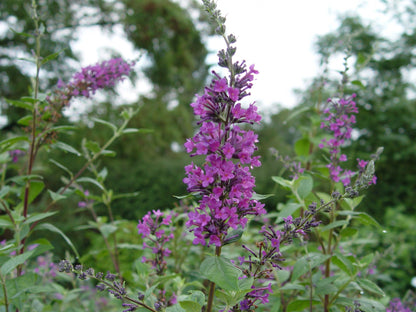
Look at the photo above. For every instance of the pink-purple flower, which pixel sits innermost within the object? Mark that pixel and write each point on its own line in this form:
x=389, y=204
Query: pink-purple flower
x=223, y=181
x=339, y=121
x=86, y=82
x=154, y=226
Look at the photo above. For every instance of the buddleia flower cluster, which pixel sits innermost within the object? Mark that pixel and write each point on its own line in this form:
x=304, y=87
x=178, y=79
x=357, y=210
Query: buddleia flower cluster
x=339, y=121
x=86, y=83
x=153, y=227
x=260, y=264
x=223, y=181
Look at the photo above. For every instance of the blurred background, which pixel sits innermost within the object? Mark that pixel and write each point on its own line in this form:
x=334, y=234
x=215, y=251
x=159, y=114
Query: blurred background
x=299, y=50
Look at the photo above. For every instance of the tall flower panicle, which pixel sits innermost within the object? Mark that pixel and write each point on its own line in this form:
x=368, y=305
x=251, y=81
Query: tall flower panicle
x=224, y=180
x=151, y=228
x=86, y=82
x=340, y=117
x=339, y=121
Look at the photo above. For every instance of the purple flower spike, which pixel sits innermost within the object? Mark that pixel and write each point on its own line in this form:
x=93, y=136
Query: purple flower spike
x=87, y=82
x=224, y=180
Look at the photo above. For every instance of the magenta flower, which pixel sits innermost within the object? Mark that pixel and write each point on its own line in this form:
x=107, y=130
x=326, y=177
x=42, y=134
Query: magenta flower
x=15, y=154
x=86, y=82
x=224, y=180
x=339, y=120
x=150, y=227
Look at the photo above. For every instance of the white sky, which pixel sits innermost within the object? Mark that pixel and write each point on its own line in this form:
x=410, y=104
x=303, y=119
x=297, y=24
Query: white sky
x=275, y=35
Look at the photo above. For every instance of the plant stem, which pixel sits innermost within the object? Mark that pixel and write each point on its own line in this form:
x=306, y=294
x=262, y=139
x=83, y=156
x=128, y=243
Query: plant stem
x=328, y=262
x=212, y=285
x=6, y=300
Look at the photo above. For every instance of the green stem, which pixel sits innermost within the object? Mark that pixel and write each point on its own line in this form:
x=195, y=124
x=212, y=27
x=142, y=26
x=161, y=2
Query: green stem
x=6, y=300
x=32, y=148
x=115, y=258
x=212, y=285
x=35, y=110
x=341, y=289
x=328, y=262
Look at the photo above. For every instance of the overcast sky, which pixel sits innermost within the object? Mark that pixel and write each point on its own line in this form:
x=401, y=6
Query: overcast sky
x=277, y=36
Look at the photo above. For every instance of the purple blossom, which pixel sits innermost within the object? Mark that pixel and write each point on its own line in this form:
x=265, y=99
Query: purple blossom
x=339, y=120
x=87, y=82
x=15, y=154
x=224, y=180
x=396, y=305
x=150, y=228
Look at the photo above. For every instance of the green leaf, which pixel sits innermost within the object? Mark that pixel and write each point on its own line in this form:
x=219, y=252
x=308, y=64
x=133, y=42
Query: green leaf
x=63, y=128
x=21, y=104
x=108, y=153
x=297, y=112
x=283, y=182
x=292, y=286
x=261, y=196
x=90, y=180
x=36, y=187
x=370, y=286
x=93, y=146
x=343, y=263
x=5, y=222
x=9, y=142
x=282, y=275
x=67, y=148
x=130, y=130
x=233, y=236
x=333, y=225
x=366, y=260
x=192, y=302
x=52, y=228
x=146, y=130
x=353, y=202
x=5, y=190
x=358, y=83
x=30, y=99
x=50, y=57
x=368, y=305
x=303, y=186
x=245, y=284
x=105, y=123
x=366, y=219
x=14, y=262
x=61, y=166
x=348, y=232
x=174, y=308
x=300, y=305
x=190, y=195
x=129, y=246
x=220, y=271
x=306, y=263
x=39, y=216
x=56, y=196
x=23, y=34
x=190, y=306
x=126, y=195
x=287, y=209
x=302, y=147
x=324, y=196
x=25, y=121
x=107, y=229
x=326, y=286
